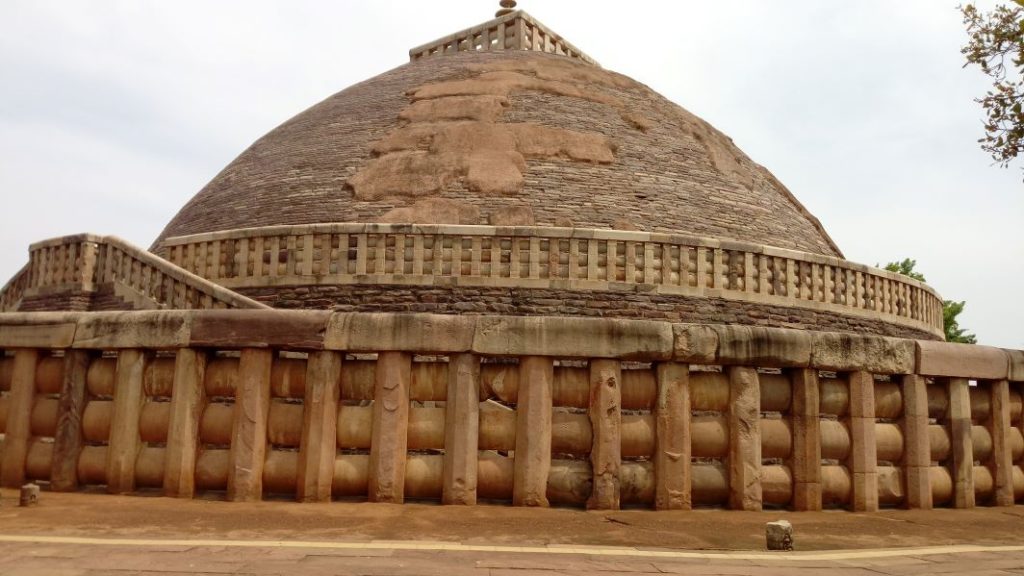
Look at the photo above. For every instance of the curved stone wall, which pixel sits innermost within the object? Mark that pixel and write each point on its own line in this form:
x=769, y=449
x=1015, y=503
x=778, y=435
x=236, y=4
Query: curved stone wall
x=558, y=271
x=389, y=407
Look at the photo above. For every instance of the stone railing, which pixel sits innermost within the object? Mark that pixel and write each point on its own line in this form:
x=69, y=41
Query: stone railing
x=554, y=258
x=82, y=263
x=12, y=292
x=535, y=411
x=515, y=31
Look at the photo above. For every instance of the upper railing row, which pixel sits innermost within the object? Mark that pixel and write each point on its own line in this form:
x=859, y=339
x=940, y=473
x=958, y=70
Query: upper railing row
x=554, y=258
x=83, y=262
x=515, y=31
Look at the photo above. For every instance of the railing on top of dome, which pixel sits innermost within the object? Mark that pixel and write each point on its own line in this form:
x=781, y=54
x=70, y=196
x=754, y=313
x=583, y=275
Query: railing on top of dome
x=514, y=31
x=553, y=258
x=82, y=263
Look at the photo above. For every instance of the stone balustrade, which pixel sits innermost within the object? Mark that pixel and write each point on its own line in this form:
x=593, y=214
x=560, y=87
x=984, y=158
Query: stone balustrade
x=534, y=411
x=77, y=266
x=554, y=258
x=12, y=292
x=515, y=31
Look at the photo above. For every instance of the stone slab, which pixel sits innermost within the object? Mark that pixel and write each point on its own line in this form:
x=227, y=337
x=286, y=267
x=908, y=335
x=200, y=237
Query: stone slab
x=875, y=354
x=37, y=329
x=1016, y=370
x=378, y=332
x=694, y=343
x=149, y=329
x=573, y=338
x=760, y=346
x=287, y=329
x=961, y=360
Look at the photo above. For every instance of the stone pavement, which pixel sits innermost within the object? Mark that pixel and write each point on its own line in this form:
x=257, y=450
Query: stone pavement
x=78, y=556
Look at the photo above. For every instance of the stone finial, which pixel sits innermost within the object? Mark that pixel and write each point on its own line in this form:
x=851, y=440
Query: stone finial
x=507, y=7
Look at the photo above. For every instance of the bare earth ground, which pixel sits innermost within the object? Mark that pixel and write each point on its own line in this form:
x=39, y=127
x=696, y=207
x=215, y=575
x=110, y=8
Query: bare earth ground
x=101, y=516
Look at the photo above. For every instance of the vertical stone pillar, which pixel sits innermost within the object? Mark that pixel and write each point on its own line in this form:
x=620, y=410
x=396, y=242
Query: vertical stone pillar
x=605, y=413
x=67, y=440
x=461, y=430
x=390, y=438
x=1002, y=452
x=863, y=460
x=533, y=432
x=249, y=427
x=744, y=439
x=672, y=447
x=19, y=418
x=319, y=444
x=962, y=447
x=806, y=462
x=125, y=440
x=916, y=447
x=188, y=400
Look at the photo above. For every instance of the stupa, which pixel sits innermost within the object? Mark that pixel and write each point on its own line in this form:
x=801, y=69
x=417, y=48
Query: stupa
x=498, y=271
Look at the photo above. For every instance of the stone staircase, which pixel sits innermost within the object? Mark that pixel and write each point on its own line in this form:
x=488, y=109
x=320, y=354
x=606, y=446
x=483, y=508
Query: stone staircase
x=87, y=272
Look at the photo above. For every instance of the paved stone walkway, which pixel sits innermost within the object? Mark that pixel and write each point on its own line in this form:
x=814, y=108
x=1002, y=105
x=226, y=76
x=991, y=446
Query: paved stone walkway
x=72, y=556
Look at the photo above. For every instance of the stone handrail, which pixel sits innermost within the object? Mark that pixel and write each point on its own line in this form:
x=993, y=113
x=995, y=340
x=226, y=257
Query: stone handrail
x=515, y=31
x=12, y=292
x=84, y=262
x=560, y=258
x=323, y=405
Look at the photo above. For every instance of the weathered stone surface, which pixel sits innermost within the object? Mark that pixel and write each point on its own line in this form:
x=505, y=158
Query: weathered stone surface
x=605, y=414
x=512, y=216
x=390, y=428
x=461, y=438
x=125, y=441
x=533, y=432
x=916, y=460
x=807, y=440
x=147, y=329
x=672, y=448
x=779, y=535
x=288, y=329
x=67, y=440
x=18, y=428
x=434, y=211
x=962, y=448
x=1016, y=371
x=694, y=343
x=757, y=346
x=573, y=338
x=37, y=329
x=460, y=298
x=409, y=332
x=188, y=401
x=29, y=495
x=1002, y=456
x=318, y=445
x=846, y=352
x=961, y=360
x=249, y=426
x=744, y=439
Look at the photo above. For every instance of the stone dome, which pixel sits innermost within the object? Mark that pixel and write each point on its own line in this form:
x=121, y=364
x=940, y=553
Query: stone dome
x=504, y=138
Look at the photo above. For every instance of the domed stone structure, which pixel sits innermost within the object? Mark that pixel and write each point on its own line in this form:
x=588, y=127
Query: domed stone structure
x=503, y=171
x=504, y=137
x=581, y=294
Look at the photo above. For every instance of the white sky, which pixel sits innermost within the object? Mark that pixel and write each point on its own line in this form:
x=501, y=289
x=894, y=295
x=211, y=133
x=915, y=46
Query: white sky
x=114, y=113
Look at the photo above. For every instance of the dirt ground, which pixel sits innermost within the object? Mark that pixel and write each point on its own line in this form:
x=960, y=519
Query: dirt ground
x=153, y=516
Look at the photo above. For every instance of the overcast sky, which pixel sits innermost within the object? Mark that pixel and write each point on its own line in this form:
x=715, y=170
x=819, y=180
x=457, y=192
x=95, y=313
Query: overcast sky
x=114, y=113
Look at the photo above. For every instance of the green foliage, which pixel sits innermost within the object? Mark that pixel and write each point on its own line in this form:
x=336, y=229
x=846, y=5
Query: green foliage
x=906, y=267
x=996, y=45
x=950, y=309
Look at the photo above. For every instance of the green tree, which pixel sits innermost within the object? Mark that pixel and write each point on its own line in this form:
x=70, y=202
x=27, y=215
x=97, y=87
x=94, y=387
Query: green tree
x=950, y=309
x=996, y=45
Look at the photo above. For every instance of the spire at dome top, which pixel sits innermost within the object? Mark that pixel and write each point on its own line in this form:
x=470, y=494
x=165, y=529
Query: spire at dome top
x=507, y=7
x=511, y=29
